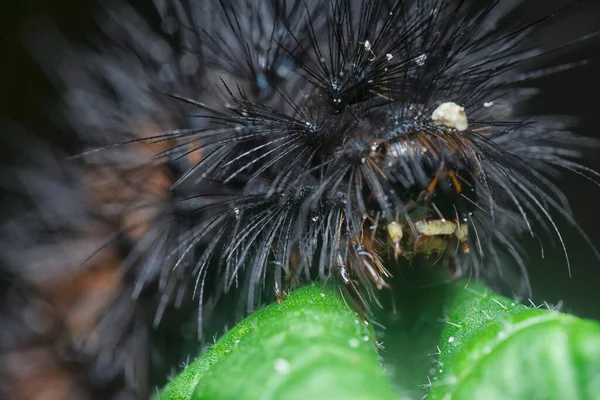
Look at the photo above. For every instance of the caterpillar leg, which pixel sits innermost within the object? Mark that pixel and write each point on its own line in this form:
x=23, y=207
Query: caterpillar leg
x=443, y=173
x=356, y=298
x=280, y=292
x=395, y=234
x=370, y=264
x=431, y=234
x=285, y=277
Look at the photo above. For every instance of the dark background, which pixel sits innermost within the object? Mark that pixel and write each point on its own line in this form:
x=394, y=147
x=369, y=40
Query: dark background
x=27, y=97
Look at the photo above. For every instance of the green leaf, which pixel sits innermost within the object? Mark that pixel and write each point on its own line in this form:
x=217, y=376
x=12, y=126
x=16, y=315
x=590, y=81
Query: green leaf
x=313, y=346
x=309, y=346
x=494, y=348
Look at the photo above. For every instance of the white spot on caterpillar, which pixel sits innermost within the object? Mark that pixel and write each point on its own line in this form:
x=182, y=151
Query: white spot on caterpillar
x=354, y=343
x=451, y=115
x=451, y=339
x=282, y=366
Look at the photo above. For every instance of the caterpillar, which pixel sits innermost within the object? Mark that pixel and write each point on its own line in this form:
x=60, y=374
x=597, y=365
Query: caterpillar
x=239, y=148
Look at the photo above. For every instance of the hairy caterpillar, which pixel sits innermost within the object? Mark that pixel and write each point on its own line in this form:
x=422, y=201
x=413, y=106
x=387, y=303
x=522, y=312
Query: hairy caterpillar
x=251, y=146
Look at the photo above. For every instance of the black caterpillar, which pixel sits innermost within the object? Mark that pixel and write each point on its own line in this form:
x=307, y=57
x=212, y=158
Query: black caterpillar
x=252, y=146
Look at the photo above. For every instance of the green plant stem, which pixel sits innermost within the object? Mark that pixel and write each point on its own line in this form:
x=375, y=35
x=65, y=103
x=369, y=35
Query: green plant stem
x=494, y=348
x=310, y=346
